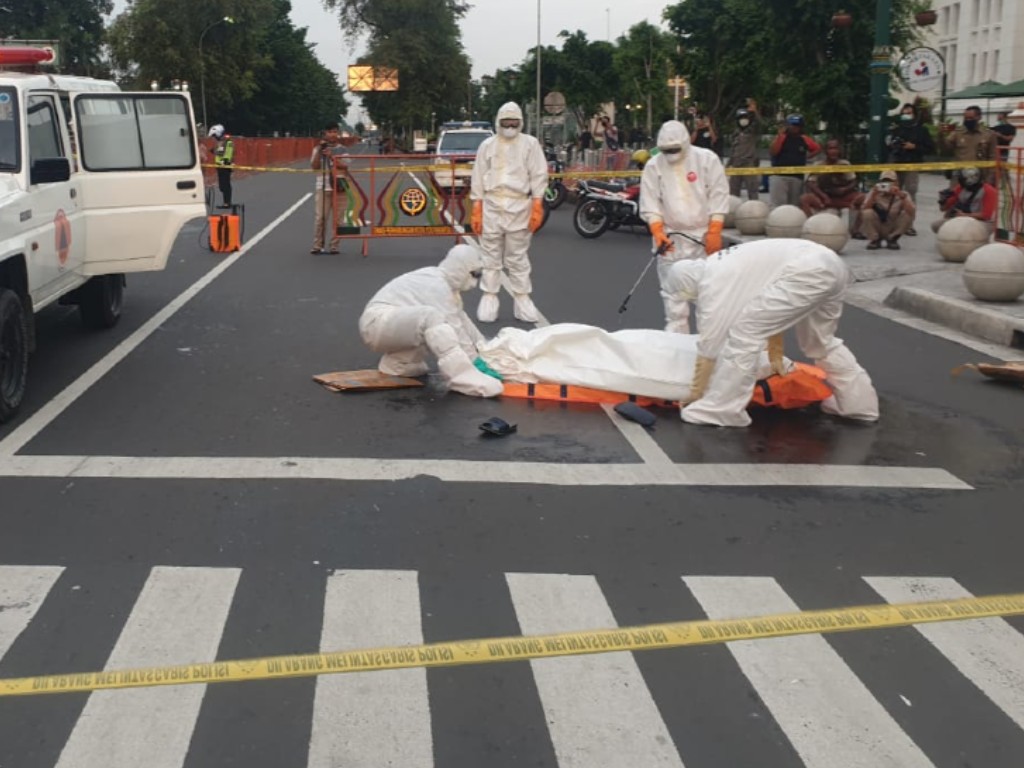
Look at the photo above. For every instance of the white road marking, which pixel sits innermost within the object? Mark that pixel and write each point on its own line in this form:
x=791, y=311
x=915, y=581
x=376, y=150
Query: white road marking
x=178, y=619
x=22, y=590
x=42, y=418
x=829, y=715
x=639, y=438
x=989, y=652
x=364, y=721
x=462, y=471
x=599, y=710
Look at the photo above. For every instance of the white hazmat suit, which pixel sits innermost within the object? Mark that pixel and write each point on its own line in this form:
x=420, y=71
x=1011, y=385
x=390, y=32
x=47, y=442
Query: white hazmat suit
x=683, y=191
x=507, y=189
x=751, y=292
x=422, y=311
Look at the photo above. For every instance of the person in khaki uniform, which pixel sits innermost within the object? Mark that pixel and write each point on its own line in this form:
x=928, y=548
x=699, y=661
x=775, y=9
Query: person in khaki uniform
x=969, y=142
x=887, y=213
x=329, y=160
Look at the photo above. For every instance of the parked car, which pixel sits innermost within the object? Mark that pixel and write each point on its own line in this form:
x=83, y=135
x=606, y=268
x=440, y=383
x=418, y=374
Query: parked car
x=454, y=156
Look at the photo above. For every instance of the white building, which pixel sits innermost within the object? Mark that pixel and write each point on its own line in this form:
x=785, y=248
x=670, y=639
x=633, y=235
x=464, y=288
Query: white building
x=980, y=40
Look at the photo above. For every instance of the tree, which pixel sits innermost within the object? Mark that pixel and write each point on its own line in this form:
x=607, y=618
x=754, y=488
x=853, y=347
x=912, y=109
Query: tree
x=76, y=24
x=643, y=61
x=587, y=77
x=420, y=38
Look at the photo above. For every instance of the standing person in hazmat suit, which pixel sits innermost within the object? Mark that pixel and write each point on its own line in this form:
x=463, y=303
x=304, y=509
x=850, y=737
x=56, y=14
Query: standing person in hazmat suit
x=683, y=189
x=747, y=295
x=421, y=312
x=507, y=189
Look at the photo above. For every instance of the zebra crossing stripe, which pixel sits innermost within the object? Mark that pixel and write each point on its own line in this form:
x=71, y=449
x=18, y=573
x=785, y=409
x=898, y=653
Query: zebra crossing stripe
x=502, y=649
x=22, y=591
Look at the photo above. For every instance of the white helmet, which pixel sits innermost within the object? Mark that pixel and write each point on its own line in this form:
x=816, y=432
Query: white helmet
x=509, y=111
x=217, y=131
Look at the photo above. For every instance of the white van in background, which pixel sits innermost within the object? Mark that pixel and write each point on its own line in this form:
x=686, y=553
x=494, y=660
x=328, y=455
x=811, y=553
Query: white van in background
x=94, y=183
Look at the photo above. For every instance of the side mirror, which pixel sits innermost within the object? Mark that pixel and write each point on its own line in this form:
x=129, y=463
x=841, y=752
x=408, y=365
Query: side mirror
x=48, y=170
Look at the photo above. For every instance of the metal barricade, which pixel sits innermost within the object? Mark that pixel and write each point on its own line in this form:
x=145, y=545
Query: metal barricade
x=1010, y=207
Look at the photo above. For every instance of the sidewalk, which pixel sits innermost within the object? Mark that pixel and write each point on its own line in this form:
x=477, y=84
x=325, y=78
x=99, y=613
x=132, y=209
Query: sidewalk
x=916, y=284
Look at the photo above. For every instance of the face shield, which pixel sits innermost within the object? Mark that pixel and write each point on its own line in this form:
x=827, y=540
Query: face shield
x=509, y=120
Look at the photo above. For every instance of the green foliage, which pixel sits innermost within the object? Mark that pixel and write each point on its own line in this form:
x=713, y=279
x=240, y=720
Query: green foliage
x=258, y=73
x=643, y=61
x=77, y=24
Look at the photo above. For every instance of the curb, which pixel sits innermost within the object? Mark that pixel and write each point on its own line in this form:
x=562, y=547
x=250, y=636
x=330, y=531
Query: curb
x=962, y=315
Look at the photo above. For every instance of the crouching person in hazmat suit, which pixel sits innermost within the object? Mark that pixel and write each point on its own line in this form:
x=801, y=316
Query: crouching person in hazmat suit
x=683, y=189
x=507, y=189
x=747, y=295
x=421, y=312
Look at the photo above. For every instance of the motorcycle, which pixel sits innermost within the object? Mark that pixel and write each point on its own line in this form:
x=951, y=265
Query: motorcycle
x=604, y=206
x=556, y=191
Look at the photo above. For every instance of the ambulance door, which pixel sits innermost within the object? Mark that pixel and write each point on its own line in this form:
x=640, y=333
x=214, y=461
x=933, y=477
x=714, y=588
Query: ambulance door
x=55, y=231
x=139, y=177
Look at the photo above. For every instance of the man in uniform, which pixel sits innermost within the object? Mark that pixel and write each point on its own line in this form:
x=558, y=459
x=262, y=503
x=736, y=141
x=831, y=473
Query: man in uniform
x=969, y=142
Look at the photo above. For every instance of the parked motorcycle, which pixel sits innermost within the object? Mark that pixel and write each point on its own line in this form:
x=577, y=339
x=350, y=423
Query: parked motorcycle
x=604, y=206
x=556, y=191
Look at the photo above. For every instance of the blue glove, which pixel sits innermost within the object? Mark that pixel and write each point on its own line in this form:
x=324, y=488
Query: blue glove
x=483, y=367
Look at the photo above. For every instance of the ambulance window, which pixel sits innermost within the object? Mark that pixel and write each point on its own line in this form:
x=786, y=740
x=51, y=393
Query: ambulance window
x=43, y=129
x=9, y=154
x=134, y=132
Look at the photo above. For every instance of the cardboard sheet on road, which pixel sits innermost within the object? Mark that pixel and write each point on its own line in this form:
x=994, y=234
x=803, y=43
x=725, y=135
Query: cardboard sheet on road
x=369, y=380
x=1012, y=371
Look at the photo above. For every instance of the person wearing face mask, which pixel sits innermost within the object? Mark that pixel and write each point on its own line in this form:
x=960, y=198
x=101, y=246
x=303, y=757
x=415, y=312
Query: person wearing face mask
x=747, y=295
x=421, y=312
x=507, y=192
x=969, y=142
x=1005, y=133
x=790, y=148
x=972, y=196
x=887, y=213
x=909, y=142
x=743, y=150
x=683, y=189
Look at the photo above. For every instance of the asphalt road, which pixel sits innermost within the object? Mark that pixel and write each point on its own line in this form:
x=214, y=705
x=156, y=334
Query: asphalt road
x=204, y=499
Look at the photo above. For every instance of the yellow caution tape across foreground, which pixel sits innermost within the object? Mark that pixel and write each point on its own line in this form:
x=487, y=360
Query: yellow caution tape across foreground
x=501, y=649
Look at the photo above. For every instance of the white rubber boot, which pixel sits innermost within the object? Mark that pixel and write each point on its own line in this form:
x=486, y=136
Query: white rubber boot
x=524, y=309
x=407, y=363
x=455, y=365
x=487, y=309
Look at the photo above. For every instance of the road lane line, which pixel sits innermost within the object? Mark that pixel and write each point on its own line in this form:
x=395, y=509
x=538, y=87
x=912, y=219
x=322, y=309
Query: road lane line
x=22, y=590
x=178, y=618
x=599, y=711
x=464, y=471
x=988, y=652
x=37, y=422
x=829, y=715
x=361, y=721
x=638, y=438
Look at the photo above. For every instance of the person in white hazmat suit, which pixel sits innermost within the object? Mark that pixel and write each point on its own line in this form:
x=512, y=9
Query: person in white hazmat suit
x=421, y=311
x=747, y=295
x=507, y=190
x=683, y=189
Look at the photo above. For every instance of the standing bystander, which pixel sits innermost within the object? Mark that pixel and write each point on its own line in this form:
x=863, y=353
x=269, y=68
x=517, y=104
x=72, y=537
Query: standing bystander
x=790, y=148
x=329, y=160
x=743, y=152
x=223, y=159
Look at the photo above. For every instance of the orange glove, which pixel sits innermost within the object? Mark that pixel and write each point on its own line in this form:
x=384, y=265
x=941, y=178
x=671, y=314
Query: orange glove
x=660, y=238
x=537, y=214
x=476, y=217
x=713, y=239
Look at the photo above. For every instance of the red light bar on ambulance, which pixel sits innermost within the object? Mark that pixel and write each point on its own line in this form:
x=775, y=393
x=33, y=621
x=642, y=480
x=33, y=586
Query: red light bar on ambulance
x=24, y=56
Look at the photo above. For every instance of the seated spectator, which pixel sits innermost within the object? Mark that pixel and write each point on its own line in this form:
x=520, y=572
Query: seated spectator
x=970, y=197
x=887, y=213
x=833, y=190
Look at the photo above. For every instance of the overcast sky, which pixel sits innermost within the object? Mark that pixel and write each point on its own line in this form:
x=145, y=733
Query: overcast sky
x=495, y=33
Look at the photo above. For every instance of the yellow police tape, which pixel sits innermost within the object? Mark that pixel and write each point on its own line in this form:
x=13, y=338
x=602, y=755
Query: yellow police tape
x=501, y=649
x=759, y=171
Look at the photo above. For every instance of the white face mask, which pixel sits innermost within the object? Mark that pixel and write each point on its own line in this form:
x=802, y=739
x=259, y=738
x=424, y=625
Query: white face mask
x=509, y=133
x=743, y=122
x=676, y=158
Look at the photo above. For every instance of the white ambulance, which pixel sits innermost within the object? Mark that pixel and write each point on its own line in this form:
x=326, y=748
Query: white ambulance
x=94, y=183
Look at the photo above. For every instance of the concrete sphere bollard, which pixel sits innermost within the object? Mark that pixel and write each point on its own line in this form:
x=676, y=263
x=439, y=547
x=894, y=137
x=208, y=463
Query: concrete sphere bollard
x=785, y=221
x=995, y=272
x=959, y=237
x=827, y=229
x=734, y=203
x=750, y=217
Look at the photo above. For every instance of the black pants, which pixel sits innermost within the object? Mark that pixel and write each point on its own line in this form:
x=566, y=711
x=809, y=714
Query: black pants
x=224, y=182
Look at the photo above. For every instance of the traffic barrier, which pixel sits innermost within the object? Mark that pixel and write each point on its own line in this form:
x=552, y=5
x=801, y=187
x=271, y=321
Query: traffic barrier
x=1010, y=206
x=503, y=649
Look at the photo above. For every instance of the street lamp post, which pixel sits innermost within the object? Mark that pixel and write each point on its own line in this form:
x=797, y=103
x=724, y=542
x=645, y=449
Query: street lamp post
x=881, y=66
x=202, y=63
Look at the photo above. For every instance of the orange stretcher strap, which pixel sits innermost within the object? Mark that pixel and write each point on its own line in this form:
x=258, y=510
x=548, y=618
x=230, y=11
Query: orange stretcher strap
x=799, y=388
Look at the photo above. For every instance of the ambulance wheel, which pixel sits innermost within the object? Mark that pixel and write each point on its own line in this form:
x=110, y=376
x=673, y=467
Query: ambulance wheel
x=100, y=301
x=13, y=353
